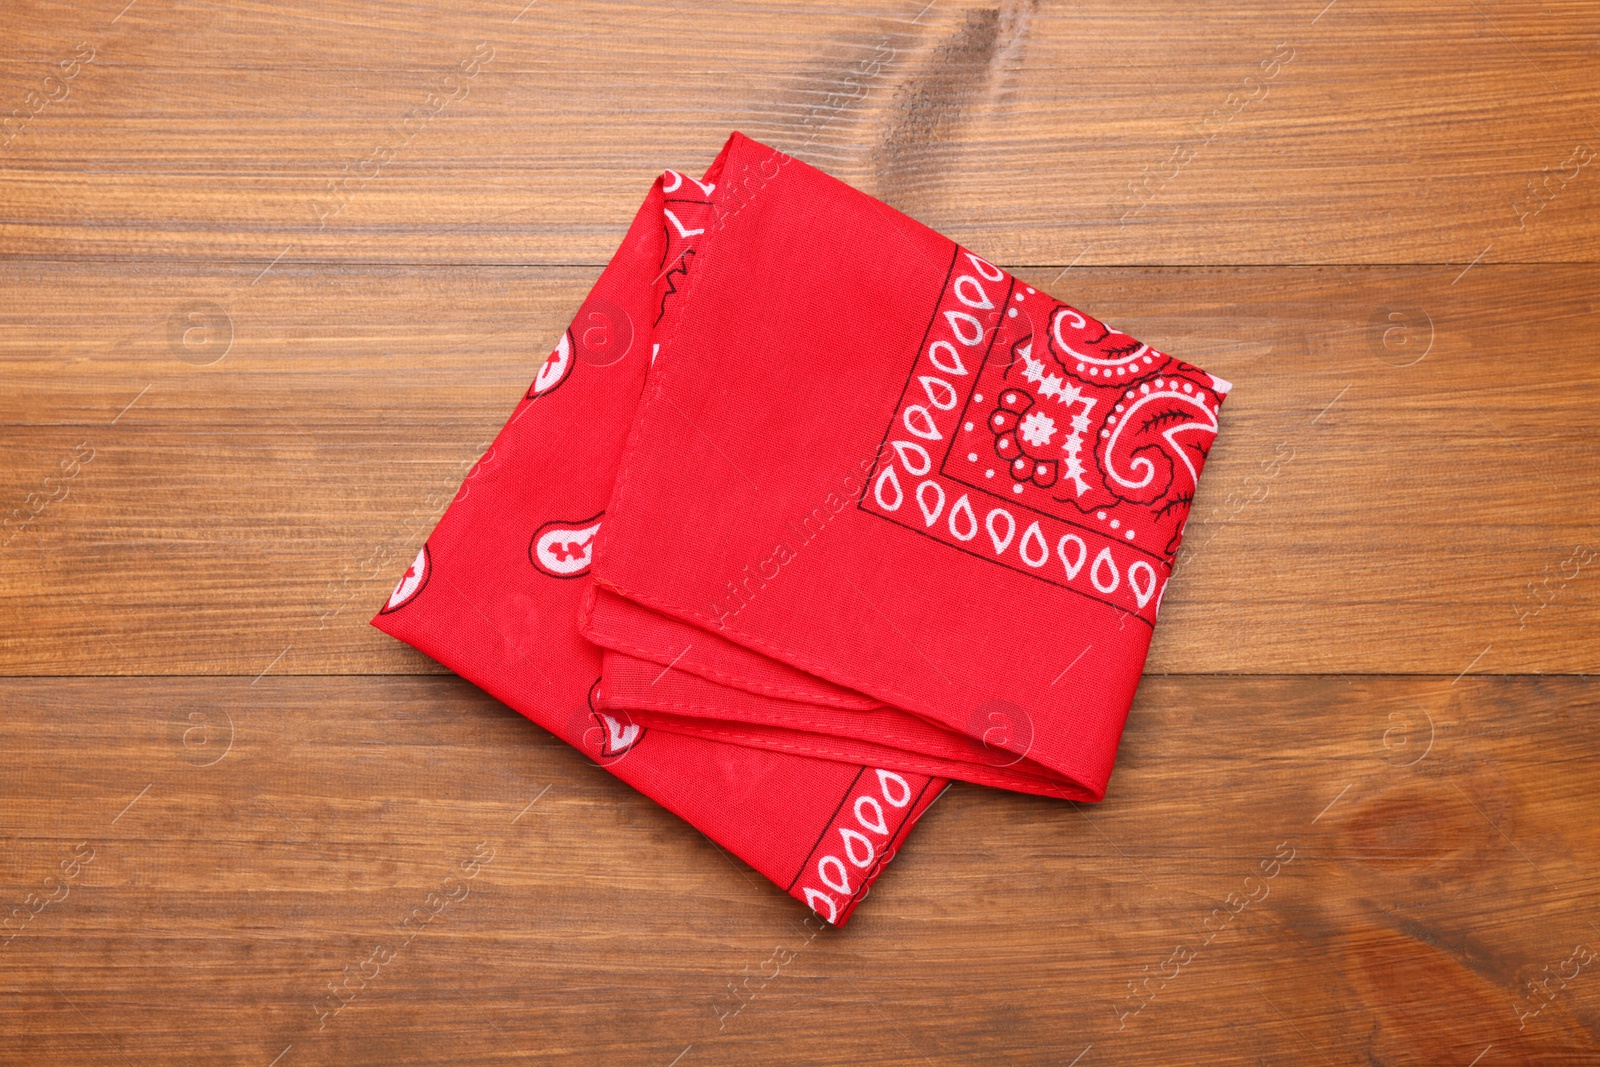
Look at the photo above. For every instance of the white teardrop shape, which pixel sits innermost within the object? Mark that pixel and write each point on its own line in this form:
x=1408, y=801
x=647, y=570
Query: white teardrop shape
x=979, y=265
x=553, y=371
x=921, y=426
x=1104, y=562
x=890, y=477
x=956, y=367
x=964, y=507
x=879, y=826
x=932, y=385
x=1034, y=536
x=1073, y=566
x=1001, y=543
x=851, y=840
x=814, y=895
x=884, y=778
x=905, y=450
x=411, y=581
x=1142, y=595
x=840, y=886
x=930, y=515
x=972, y=334
x=982, y=301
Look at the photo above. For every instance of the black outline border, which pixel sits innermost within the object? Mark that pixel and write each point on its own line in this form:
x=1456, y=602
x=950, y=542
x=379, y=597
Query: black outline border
x=571, y=524
x=1079, y=521
x=825, y=828
x=1037, y=574
x=883, y=445
x=605, y=732
x=572, y=357
x=833, y=821
x=427, y=575
x=885, y=856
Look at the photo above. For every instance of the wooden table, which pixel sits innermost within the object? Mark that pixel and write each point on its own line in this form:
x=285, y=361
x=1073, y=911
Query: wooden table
x=274, y=276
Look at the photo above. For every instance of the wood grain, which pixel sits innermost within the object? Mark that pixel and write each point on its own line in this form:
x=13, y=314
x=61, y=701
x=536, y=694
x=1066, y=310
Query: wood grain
x=274, y=275
x=1402, y=516
x=217, y=135
x=1438, y=857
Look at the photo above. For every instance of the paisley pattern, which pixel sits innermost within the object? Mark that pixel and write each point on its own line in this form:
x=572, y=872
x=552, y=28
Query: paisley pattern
x=1036, y=437
x=1086, y=416
x=564, y=549
x=554, y=370
x=1094, y=350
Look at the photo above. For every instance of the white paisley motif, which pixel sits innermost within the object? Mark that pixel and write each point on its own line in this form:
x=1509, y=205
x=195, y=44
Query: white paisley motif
x=1207, y=424
x=1054, y=387
x=1076, y=320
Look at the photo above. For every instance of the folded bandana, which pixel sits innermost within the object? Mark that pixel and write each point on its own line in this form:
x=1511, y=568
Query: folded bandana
x=849, y=510
x=883, y=502
x=494, y=593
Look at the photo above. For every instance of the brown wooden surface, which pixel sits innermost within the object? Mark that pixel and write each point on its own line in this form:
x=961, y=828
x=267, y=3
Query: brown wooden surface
x=1397, y=536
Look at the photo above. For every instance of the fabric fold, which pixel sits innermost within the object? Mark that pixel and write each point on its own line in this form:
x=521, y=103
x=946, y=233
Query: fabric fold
x=883, y=501
x=494, y=593
x=812, y=510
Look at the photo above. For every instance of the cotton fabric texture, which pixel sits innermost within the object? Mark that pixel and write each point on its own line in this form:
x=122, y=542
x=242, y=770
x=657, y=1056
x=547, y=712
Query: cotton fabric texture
x=812, y=510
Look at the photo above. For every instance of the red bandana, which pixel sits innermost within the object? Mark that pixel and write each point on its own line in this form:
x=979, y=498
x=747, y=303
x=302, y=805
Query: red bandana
x=863, y=513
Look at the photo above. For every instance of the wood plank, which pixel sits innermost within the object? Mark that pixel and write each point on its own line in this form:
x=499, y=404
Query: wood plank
x=1358, y=514
x=250, y=841
x=267, y=299
x=1107, y=133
